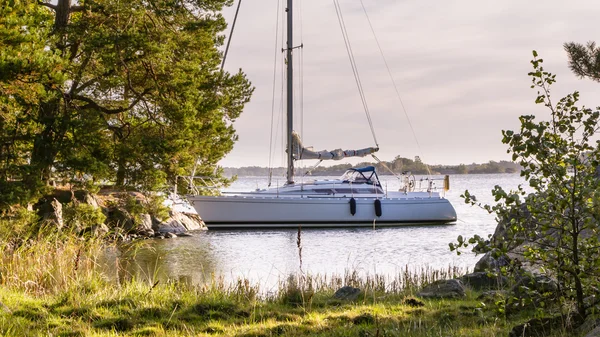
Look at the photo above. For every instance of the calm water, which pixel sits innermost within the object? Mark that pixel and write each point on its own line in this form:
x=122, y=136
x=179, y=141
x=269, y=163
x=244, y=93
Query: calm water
x=267, y=256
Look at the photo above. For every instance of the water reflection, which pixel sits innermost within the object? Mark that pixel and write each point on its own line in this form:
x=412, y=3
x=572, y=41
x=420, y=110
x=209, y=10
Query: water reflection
x=266, y=257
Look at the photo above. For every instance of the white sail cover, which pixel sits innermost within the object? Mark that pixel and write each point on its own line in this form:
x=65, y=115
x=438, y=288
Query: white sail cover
x=301, y=152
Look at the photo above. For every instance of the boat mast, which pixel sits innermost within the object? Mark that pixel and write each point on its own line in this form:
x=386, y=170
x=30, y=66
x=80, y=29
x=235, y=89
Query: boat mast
x=290, y=95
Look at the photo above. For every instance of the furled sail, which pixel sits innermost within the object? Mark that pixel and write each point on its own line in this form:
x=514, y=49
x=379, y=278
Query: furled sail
x=301, y=152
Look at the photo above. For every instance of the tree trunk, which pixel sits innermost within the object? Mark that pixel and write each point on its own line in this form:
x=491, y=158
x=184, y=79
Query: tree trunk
x=45, y=147
x=62, y=14
x=121, y=171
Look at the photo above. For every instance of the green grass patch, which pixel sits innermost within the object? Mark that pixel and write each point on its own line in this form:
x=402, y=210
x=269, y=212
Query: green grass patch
x=174, y=310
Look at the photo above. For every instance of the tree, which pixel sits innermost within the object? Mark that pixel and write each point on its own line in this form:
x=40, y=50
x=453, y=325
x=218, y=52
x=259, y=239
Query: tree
x=24, y=60
x=135, y=96
x=557, y=226
x=584, y=60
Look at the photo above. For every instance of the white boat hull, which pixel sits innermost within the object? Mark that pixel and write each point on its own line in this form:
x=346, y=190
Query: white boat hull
x=276, y=212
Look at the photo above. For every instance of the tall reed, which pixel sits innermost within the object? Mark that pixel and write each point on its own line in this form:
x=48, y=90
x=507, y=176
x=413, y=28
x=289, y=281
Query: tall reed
x=38, y=258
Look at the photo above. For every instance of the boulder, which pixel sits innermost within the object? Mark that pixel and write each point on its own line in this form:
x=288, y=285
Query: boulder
x=190, y=221
x=52, y=213
x=590, y=327
x=87, y=198
x=179, y=223
x=347, y=293
x=413, y=302
x=489, y=263
x=119, y=217
x=443, y=289
x=144, y=228
x=169, y=226
x=538, y=327
x=536, y=282
x=594, y=333
x=99, y=230
x=483, y=280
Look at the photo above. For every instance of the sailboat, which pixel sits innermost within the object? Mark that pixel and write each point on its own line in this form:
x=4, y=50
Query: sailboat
x=355, y=199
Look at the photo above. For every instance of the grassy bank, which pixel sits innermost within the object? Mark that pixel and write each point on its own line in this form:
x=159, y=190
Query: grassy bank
x=50, y=285
x=171, y=310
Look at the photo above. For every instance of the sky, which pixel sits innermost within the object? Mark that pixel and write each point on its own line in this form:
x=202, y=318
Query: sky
x=460, y=68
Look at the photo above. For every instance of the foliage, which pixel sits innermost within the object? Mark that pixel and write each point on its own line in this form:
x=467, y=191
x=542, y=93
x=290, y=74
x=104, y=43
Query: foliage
x=81, y=215
x=556, y=226
x=120, y=91
x=15, y=225
x=149, y=203
x=24, y=26
x=584, y=60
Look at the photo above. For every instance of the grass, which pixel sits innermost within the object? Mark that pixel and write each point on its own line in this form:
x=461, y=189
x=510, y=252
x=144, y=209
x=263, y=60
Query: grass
x=175, y=310
x=50, y=286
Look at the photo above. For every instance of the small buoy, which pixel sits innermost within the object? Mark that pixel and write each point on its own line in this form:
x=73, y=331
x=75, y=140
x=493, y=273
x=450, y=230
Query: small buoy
x=378, y=207
x=352, y=206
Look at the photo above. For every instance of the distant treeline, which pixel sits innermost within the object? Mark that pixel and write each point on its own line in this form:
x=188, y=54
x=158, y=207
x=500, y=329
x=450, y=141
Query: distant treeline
x=398, y=165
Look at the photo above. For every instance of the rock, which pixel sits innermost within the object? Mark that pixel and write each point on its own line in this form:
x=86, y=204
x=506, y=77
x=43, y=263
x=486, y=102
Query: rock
x=52, y=212
x=537, y=327
x=170, y=235
x=172, y=226
x=443, y=289
x=537, y=282
x=144, y=228
x=483, y=280
x=347, y=293
x=190, y=221
x=179, y=223
x=594, y=333
x=413, y=302
x=99, y=230
x=501, y=235
x=139, y=197
x=590, y=327
x=86, y=197
x=489, y=263
x=119, y=217
x=184, y=235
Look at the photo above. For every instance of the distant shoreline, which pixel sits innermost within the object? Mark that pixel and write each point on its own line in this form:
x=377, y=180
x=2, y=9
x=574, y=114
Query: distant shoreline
x=397, y=166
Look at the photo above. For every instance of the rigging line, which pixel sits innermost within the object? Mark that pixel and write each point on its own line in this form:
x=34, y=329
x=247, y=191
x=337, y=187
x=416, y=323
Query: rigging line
x=354, y=68
x=393, y=83
x=231, y=33
x=351, y=56
x=385, y=166
x=273, y=94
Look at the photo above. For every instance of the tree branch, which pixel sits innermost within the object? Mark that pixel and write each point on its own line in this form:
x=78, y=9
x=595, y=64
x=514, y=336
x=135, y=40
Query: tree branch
x=91, y=104
x=51, y=6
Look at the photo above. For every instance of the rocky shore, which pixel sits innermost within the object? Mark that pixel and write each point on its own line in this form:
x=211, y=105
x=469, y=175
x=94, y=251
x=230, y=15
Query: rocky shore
x=128, y=215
